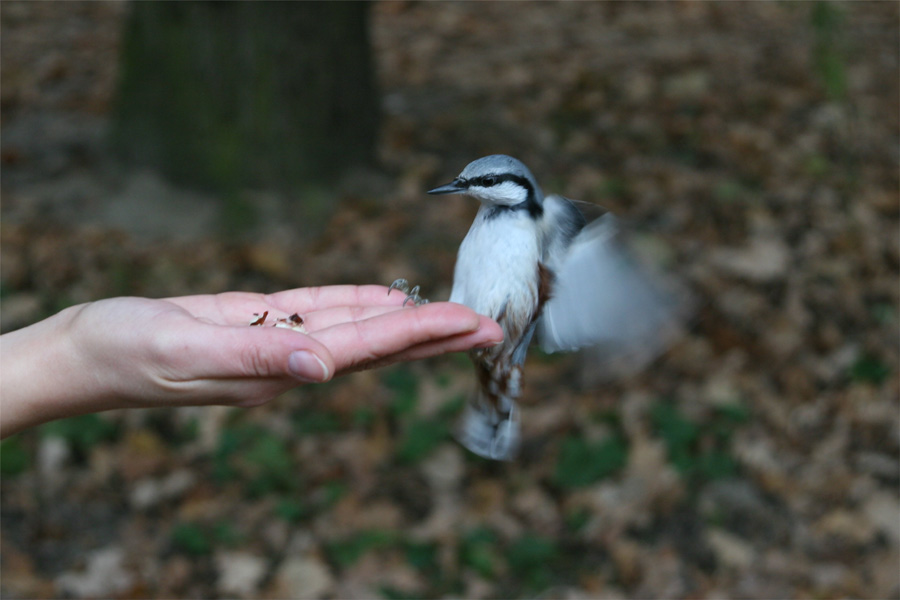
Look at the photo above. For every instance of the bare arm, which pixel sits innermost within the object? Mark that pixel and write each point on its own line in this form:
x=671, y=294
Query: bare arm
x=138, y=352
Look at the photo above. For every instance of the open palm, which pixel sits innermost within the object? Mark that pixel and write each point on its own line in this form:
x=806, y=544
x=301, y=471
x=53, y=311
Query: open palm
x=140, y=352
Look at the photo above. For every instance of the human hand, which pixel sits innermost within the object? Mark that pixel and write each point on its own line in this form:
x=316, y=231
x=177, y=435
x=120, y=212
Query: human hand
x=138, y=352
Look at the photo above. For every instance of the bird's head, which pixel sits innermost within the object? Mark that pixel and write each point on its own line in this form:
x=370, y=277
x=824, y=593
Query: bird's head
x=496, y=180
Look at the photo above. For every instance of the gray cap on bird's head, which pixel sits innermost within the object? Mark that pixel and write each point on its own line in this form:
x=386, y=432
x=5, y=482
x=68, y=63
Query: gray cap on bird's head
x=496, y=179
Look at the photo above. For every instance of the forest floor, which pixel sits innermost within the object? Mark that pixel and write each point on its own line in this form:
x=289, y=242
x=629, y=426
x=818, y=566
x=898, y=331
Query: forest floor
x=753, y=146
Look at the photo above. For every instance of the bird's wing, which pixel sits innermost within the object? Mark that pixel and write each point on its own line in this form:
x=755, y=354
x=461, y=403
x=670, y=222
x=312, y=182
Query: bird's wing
x=561, y=223
x=603, y=297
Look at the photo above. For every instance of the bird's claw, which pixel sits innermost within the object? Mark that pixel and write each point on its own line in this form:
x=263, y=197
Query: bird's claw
x=411, y=294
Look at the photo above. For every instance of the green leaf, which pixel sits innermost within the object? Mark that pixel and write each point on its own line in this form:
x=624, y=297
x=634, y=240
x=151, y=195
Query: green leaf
x=14, y=458
x=676, y=431
x=420, y=439
x=393, y=593
x=225, y=533
x=261, y=458
x=884, y=312
x=716, y=464
x=825, y=17
x=576, y=520
x=363, y=417
x=683, y=460
x=270, y=453
x=192, y=539
x=452, y=407
x=478, y=551
x=405, y=386
x=443, y=380
x=275, y=467
x=700, y=451
x=728, y=191
x=829, y=54
x=422, y=556
x=817, y=165
x=332, y=492
x=530, y=552
x=190, y=431
x=82, y=432
x=312, y=422
x=531, y=558
x=346, y=552
x=292, y=511
x=870, y=369
x=734, y=413
x=582, y=463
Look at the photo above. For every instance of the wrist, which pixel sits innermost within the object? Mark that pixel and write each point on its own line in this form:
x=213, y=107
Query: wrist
x=44, y=376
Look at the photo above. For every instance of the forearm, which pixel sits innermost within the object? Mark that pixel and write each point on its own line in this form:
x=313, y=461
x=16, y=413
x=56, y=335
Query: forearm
x=43, y=377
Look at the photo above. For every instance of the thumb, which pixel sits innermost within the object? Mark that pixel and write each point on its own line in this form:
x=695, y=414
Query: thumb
x=305, y=365
x=263, y=352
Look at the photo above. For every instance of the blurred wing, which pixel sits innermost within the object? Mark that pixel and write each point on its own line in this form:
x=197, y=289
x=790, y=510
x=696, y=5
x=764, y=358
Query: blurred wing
x=562, y=222
x=602, y=297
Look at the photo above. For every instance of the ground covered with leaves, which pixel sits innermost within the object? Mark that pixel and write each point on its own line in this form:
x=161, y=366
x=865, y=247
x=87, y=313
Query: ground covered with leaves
x=752, y=146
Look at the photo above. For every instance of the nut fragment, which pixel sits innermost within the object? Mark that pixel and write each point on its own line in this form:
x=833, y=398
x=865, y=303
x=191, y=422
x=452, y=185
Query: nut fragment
x=294, y=322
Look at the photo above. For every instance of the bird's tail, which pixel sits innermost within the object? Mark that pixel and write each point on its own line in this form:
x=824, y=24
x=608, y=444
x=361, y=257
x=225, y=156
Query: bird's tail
x=489, y=426
x=488, y=433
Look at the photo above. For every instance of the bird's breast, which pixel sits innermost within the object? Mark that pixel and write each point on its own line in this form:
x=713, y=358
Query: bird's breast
x=497, y=270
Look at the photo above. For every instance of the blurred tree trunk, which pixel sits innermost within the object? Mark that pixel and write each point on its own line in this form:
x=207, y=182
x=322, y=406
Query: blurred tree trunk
x=224, y=95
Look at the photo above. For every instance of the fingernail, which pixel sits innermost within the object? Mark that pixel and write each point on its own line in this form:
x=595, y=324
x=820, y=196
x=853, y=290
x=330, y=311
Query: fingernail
x=308, y=367
x=489, y=344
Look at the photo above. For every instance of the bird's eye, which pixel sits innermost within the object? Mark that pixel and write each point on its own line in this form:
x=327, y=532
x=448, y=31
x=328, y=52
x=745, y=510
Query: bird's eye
x=488, y=181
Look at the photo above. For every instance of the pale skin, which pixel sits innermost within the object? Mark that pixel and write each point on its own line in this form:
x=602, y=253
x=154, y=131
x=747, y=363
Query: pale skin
x=200, y=350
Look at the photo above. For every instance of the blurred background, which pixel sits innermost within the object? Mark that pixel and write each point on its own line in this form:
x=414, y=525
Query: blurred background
x=161, y=149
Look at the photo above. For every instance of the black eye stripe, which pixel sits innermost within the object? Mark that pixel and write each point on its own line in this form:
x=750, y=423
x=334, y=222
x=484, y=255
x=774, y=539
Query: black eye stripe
x=494, y=180
x=530, y=203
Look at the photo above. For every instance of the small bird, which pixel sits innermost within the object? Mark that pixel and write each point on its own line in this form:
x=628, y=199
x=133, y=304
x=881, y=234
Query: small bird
x=534, y=265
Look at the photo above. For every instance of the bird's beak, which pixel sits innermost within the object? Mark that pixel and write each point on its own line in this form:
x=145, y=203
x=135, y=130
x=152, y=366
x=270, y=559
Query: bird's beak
x=457, y=186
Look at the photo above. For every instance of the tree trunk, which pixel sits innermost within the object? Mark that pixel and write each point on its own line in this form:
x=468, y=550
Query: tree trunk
x=225, y=95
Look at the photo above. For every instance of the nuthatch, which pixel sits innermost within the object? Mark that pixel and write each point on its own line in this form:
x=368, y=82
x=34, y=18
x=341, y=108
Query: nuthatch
x=534, y=265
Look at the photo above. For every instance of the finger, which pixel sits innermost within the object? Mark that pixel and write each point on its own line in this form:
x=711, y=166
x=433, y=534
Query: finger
x=329, y=317
x=319, y=298
x=362, y=342
x=488, y=334
x=246, y=392
x=485, y=336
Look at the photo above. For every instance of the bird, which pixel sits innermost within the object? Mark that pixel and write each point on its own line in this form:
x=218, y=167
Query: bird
x=536, y=266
